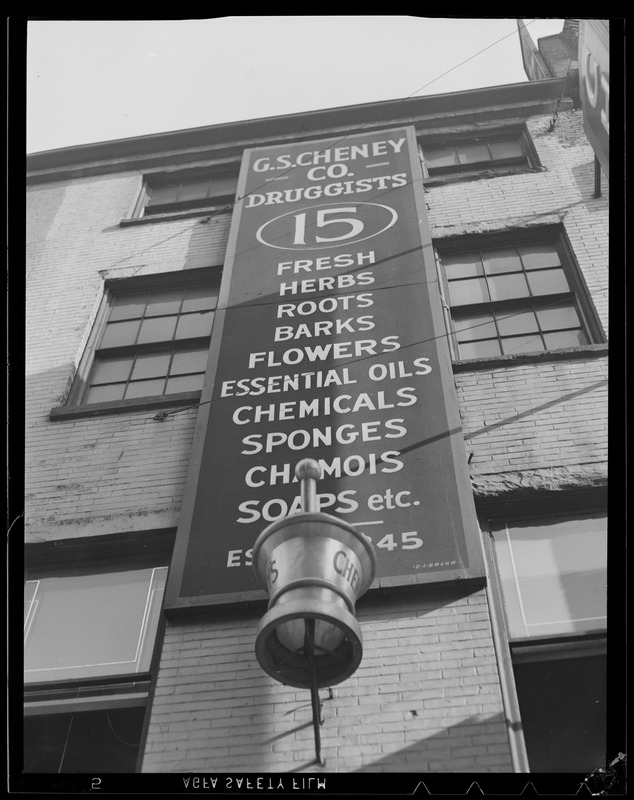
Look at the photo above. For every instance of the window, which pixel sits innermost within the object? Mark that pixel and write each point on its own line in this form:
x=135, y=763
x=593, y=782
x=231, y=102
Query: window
x=95, y=624
x=514, y=297
x=89, y=642
x=186, y=194
x=552, y=575
x=492, y=153
x=153, y=339
x=98, y=741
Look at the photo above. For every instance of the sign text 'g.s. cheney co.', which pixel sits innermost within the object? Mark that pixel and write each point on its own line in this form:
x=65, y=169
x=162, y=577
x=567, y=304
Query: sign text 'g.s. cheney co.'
x=331, y=347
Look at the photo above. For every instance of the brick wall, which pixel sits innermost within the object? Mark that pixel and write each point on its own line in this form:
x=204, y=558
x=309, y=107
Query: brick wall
x=73, y=241
x=107, y=474
x=112, y=473
x=541, y=425
x=561, y=193
x=426, y=697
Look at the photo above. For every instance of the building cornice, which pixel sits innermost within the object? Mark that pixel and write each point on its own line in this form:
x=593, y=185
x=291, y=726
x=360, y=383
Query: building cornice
x=227, y=141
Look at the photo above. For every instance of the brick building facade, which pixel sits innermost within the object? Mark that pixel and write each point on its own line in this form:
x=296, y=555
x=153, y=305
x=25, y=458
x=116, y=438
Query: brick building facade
x=456, y=676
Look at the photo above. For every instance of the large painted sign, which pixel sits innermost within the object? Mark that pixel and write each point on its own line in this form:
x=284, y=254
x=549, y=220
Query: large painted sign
x=594, y=79
x=328, y=344
x=534, y=66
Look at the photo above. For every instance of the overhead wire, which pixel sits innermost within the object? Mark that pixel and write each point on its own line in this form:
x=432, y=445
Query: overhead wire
x=227, y=208
x=162, y=415
x=230, y=206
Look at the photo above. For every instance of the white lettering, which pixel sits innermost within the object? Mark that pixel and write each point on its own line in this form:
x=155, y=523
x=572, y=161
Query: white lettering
x=276, y=508
x=316, y=437
x=334, y=350
x=326, y=262
x=352, y=466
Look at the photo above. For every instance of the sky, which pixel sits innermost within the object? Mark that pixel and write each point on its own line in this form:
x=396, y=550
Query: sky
x=98, y=80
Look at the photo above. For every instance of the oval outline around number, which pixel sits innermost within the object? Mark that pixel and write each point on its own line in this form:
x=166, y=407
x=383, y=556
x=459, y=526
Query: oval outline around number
x=348, y=242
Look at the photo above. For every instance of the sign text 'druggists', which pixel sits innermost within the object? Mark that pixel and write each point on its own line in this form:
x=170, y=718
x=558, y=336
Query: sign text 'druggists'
x=330, y=347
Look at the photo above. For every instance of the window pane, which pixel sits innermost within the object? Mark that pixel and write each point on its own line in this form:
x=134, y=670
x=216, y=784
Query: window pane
x=167, y=302
x=547, y=281
x=559, y=317
x=157, y=329
x=471, y=153
x=485, y=349
x=465, y=265
x=150, y=365
x=118, y=334
x=440, y=157
x=90, y=741
x=506, y=260
x=223, y=185
x=185, y=383
x=111, y=370
x=538, y=256
x=200, y=298
x=563, y=708
x=553, y=575
x=145, y=388
x=30, y=605
x=189, y=361
x=522, y=344
x=151, y=621
x=469, y=291
x=509, y=148
x=565, y=339
x=506, y=287
x=127, y=306
x=92, y=625
x=163, y=194
x=480, y=326
x=512, y=324
x=100, y=394
x=196, y=190
x=197, y=324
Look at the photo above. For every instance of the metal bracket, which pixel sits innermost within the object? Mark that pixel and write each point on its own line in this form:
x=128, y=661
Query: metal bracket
x=309, y=650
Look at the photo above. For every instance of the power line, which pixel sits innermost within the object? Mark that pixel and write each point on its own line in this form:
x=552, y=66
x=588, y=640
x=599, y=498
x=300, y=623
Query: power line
x=230, y=206
x=451, y=69
x=227, y=208
x=162, y=415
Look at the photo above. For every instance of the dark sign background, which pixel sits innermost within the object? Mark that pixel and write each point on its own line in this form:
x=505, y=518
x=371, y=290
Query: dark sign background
x=594, y=79
x=330, y=345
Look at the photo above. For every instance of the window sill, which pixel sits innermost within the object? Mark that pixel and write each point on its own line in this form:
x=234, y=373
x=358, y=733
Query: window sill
x=207, y=212
x=60, y=413
x=435, y=180
x=563, y=354
x=87, y=703
x=592, y=643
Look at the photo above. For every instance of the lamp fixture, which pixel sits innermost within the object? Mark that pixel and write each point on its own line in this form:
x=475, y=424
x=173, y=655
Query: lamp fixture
x=314, y=567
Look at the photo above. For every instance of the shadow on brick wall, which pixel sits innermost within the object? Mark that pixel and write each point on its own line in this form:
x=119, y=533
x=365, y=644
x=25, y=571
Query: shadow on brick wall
x=207, y=242
x=583, y=176
x=92, y=475
x=478, y=743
